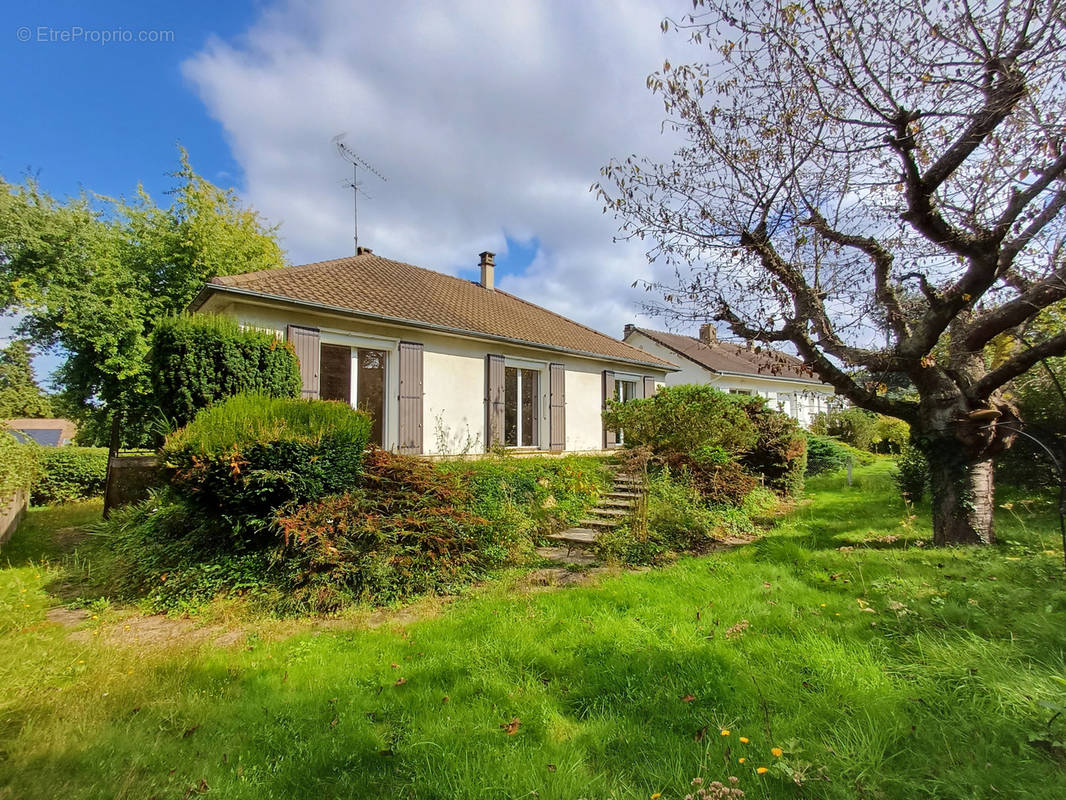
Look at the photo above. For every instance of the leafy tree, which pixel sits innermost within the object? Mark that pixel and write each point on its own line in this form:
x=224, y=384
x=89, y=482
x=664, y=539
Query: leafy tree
x=842, y=163
x=20, y=396
x=92, y=277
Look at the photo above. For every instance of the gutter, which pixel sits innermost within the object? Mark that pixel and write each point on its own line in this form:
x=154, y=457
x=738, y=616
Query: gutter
x=213, y=288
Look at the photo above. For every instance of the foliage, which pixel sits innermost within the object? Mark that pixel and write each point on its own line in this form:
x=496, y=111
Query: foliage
x=613, y=681
x=780, y=450
x=855, y=173
x=694, y=419
x=865, y=430
x=94, y=275
x=18, y=464
x=911, y=474
x=68, y=474
x=825, y=454
x=249, y=455
x=20, y=396
x=197, y=360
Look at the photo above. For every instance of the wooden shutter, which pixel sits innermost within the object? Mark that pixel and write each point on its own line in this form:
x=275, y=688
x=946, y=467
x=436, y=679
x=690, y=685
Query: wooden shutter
x=556, y=407
x=610, y=439
x=305, y=341
x=494, y=377
x=649, y=386
x=410, y=413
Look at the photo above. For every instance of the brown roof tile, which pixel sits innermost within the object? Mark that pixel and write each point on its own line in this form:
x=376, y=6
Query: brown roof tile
x=732, y=358
x=380, y=287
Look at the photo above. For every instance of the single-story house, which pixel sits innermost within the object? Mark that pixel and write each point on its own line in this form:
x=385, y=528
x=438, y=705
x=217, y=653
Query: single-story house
x=443, y=365
x=783, y=379
x=55, y=432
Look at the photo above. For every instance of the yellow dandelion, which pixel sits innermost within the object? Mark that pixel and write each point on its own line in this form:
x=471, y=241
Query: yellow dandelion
x=656, y=796
x=743, y=739
x=741, y=760
x=823, y=605
x=836, y=614
x=762, y=770
x=776, y=752
x=725, y=731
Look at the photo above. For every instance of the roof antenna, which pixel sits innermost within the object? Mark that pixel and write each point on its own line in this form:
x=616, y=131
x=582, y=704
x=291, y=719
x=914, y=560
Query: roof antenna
x=353, y=158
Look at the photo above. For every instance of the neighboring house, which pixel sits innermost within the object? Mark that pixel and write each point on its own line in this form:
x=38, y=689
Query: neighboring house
x=783, y=379
x=47, y=432
x=443, y=365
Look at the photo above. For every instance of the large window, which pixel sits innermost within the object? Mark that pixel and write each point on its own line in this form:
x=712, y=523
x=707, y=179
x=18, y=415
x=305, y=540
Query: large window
x=520, y=393
x=335, y=382
x=624, y=391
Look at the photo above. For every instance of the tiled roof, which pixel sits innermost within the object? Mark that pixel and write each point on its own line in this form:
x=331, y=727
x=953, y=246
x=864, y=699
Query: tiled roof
x=727, y=357
x=380, y=287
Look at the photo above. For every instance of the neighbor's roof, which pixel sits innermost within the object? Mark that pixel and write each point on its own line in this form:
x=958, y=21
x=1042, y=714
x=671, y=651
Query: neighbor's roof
x=50, y=432
x=732, y=359
x=372, y=286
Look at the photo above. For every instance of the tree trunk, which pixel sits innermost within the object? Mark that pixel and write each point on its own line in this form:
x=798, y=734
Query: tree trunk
x=963, y=494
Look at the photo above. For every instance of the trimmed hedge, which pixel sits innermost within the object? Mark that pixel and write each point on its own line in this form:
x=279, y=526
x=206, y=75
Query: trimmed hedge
x=249, y=455
x=68, y=474
x=18, y=464
x=198, y=360
x=825, y=454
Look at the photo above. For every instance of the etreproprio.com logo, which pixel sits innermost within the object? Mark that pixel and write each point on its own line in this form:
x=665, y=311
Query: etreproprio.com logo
x=76, y=34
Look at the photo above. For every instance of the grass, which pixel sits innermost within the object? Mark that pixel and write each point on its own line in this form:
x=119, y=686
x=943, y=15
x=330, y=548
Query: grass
x=883, y=668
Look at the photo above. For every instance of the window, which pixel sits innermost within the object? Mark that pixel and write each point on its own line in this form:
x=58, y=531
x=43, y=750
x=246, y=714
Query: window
x=624, y=391
x=746, y=392
x=336, y=382
x=520, y=414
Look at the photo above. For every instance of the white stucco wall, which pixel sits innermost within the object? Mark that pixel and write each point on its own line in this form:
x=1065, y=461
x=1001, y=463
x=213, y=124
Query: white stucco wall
x=453, y=403
x=802, y=400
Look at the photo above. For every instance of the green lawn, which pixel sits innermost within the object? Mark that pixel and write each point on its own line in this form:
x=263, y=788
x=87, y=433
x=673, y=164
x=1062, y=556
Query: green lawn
x=881, y=667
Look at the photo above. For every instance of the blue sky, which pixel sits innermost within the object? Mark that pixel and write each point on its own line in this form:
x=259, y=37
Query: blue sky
x=491, y=122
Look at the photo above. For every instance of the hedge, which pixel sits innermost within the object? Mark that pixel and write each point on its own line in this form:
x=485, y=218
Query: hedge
x=249, y=455
x=18, y=464
x=68, y=474
x=198, y=360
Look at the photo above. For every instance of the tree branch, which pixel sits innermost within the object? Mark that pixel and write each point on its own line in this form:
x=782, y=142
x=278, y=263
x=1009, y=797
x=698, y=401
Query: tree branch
x=1018, y=365
x=1011, y=314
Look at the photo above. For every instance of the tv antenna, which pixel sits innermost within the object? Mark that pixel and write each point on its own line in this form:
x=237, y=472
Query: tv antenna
x=356, y=161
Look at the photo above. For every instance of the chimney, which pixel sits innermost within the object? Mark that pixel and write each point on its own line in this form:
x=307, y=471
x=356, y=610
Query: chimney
x=363, y=251
x=628, y=329
x=488, y=269
x=708, y=335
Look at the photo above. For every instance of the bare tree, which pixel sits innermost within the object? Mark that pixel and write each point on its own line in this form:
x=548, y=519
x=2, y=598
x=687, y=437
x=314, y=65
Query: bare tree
x=848, y=166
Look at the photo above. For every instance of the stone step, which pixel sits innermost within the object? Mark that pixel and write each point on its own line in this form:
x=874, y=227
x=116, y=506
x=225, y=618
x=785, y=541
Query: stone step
x=599, y=522
x=627, y=481
x=600, y=511
x=575, y=537
x=567, y=556
x=622, y=495
x=611, y=502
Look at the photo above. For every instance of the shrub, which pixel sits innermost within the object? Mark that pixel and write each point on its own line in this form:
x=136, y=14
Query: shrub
x=684, y=419
x=780, y=450
x=68, y=474
x=18, y=464
x=198, y=360
x=911, y=474
x=866, y=430
x=249, y=455
x=825, y=455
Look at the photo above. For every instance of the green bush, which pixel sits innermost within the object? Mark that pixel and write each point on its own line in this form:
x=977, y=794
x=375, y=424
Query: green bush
x=780, y=450
x=825, y=455
x=200, y=359
x=68, y=474
x=248, y=455
x=689, y=419
x=18, y=464
x=865, y=430
x=911, y=474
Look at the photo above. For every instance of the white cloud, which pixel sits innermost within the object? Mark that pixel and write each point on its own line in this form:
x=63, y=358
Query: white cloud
x=489, y=120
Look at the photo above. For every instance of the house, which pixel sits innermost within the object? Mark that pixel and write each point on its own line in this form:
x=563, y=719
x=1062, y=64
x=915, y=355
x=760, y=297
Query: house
x=443, y=365
x=784, y=380
x=46, y=432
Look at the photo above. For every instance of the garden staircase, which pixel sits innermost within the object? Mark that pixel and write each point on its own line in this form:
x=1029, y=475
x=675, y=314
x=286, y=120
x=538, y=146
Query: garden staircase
x=611, y=511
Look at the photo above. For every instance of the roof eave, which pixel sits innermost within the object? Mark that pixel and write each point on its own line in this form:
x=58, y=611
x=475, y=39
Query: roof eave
x=215, y=288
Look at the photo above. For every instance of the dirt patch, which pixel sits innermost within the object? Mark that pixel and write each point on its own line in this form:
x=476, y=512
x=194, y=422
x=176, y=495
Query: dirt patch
x=557, y=577
x=137, y=631
x=69, y=538
x=67, y=617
